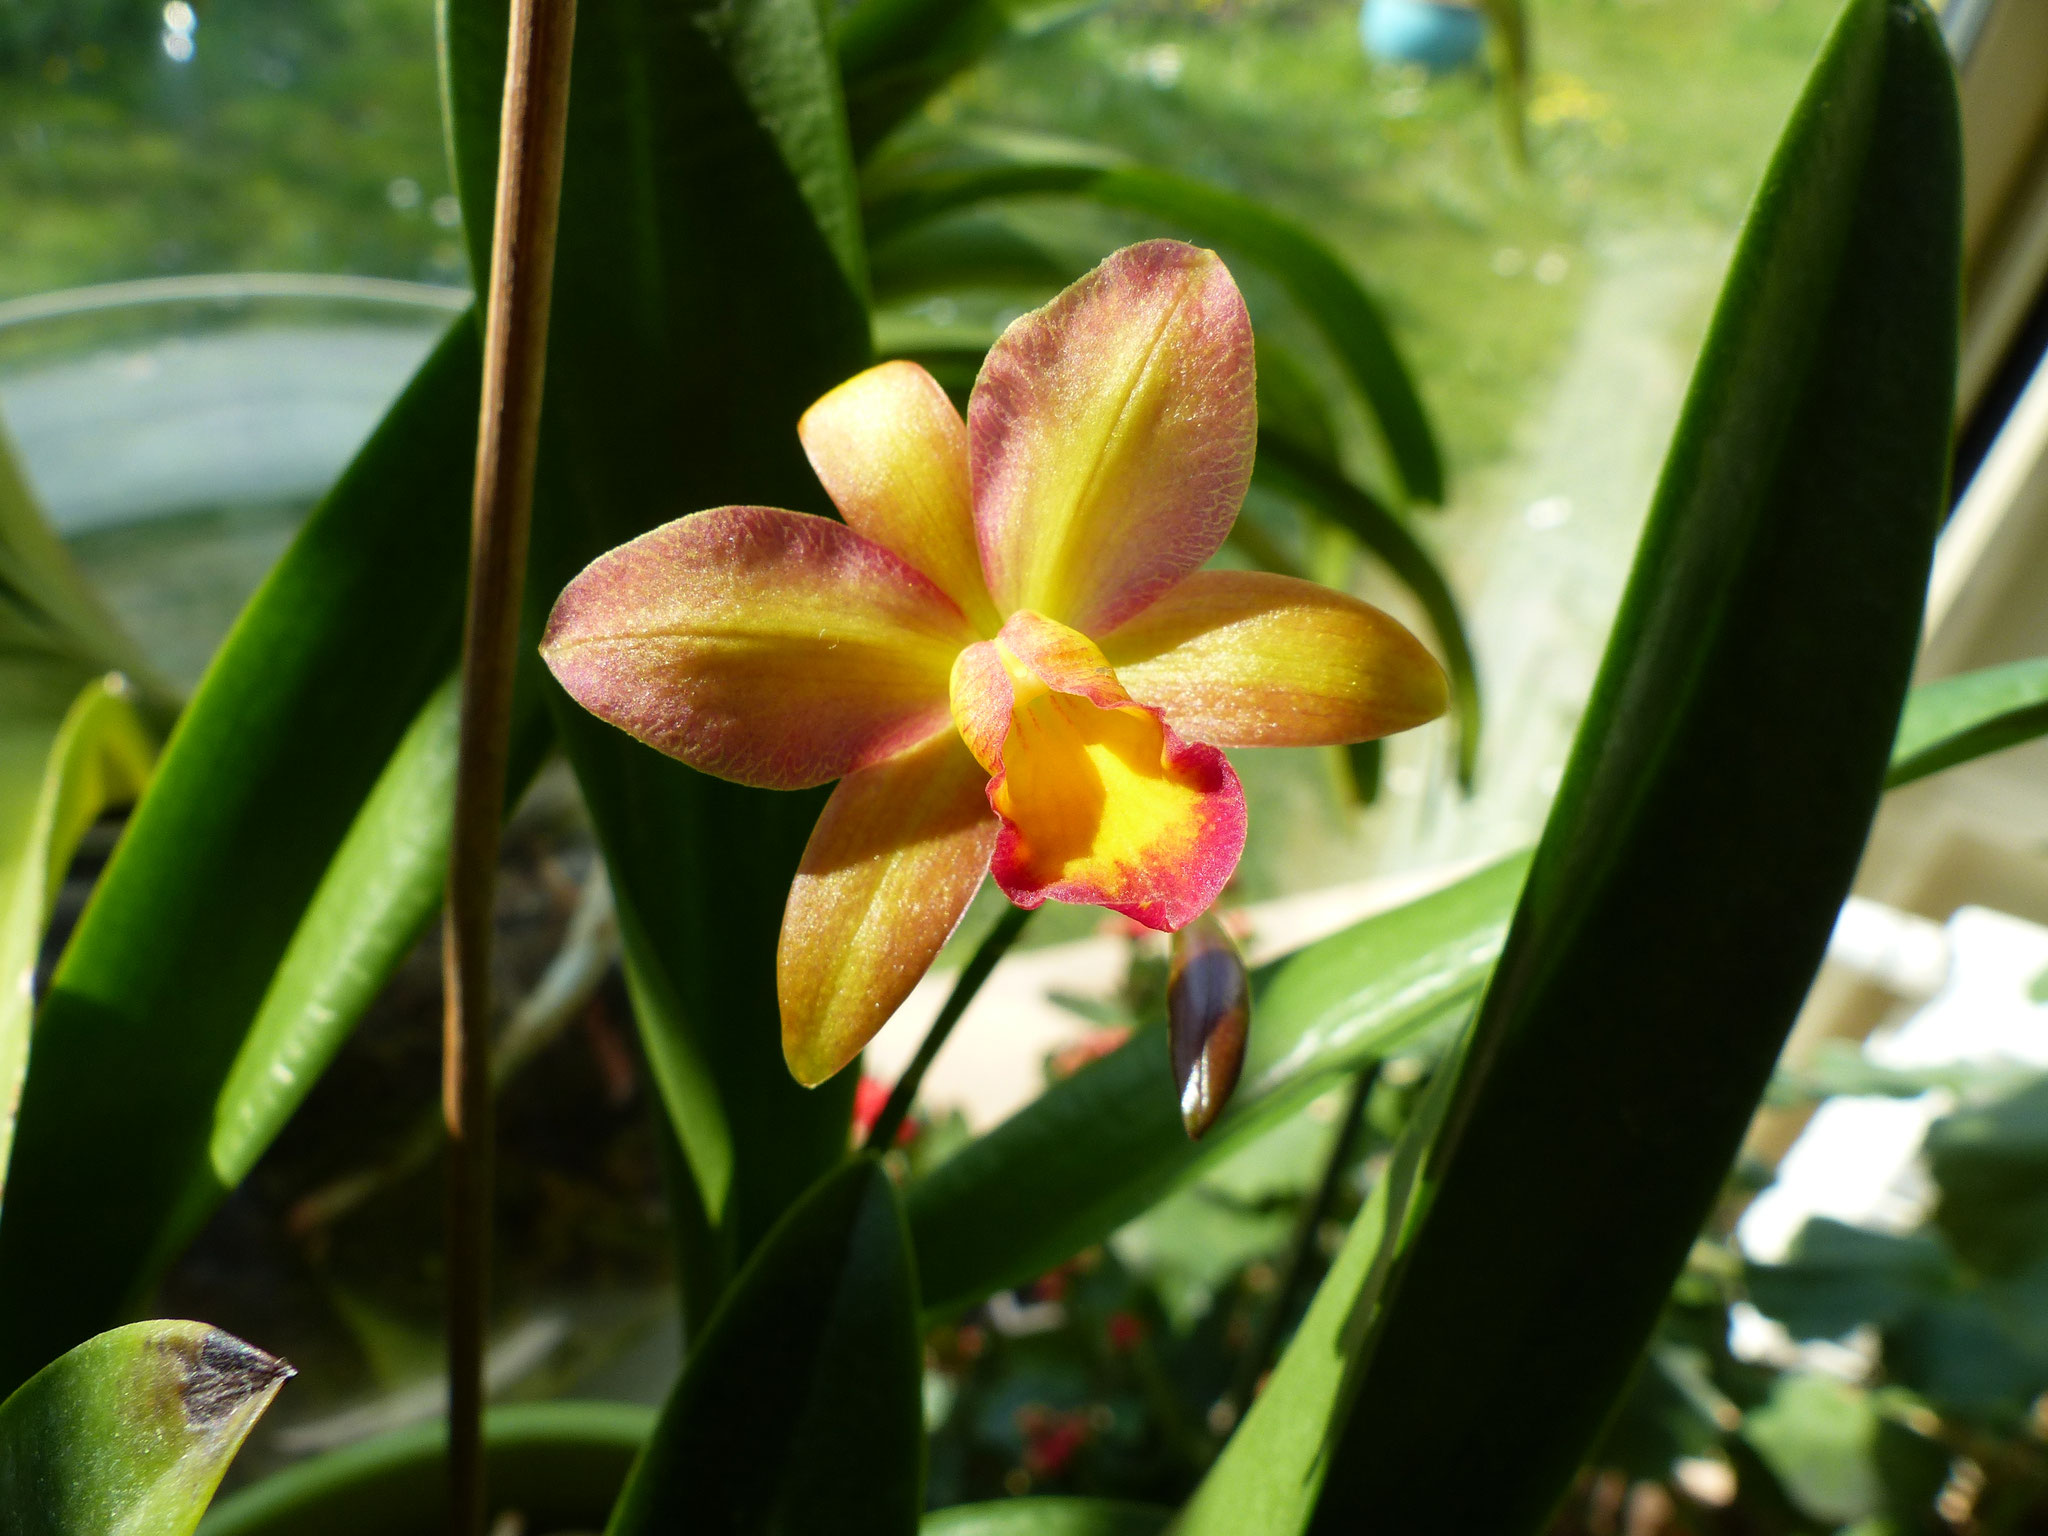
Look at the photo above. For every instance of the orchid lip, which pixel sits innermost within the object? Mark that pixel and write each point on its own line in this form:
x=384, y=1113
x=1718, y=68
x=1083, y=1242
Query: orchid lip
x=1101, y=803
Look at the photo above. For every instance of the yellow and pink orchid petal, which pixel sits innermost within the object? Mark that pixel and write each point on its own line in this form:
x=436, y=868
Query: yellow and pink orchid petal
x=891, y=452
x=1248, y=659
x=891, y=865
x=1112, y=435
x=1101, y=802
x=767, y=647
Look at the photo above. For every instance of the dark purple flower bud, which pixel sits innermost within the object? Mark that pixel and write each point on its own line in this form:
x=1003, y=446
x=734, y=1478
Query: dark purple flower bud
x=1208, y=1010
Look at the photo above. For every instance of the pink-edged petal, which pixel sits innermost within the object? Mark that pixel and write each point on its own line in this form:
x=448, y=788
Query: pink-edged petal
x=891, y=865
x=891, y=452
x=1112, y=435
x=767, y=647
x=1248, y=659
x=1101, y=801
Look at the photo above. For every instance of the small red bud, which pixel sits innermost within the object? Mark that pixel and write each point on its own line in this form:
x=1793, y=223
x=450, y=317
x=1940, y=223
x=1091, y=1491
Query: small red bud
x=1208, y=1011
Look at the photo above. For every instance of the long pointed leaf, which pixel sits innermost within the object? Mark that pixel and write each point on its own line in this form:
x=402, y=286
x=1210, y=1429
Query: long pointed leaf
x=1329, y=296
x=1708, y=825
x=291, y=727
x=709, y=285
x=801, y=1409
x=1966, y=717
x=66, y=754
x=1095, y=1150
x=130, y=1433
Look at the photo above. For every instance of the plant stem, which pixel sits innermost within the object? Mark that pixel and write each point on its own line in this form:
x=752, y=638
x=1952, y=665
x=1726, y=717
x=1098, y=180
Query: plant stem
x=882, y=1134
x=530, y=151
x=1259, y=1354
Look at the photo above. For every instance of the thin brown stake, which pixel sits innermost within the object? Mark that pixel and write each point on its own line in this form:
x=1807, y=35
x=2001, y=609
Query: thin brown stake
x=515, y=355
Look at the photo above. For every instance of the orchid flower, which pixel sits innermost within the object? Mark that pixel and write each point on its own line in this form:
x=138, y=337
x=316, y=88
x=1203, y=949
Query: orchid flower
x=1008, y=654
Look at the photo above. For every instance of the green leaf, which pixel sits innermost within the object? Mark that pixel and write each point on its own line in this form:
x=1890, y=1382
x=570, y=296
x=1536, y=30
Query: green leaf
x=129, y=1433
x=287, y=734
x=66, y=754
x=905, y=196
x=801, y=1408
x=1268, y=1474
x=894, y=54
x=1048, y=1517
x=1290, y=471
x=709, y=285
x=1098, y=1148
x=1709, y=822
x=1838, y=1277
x=1990, y=1161
x=561, y=1465
x=1971, y=716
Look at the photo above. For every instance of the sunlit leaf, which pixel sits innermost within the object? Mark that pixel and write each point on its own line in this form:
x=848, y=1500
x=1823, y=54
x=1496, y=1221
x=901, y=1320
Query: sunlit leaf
x=285, y=737
x=1971, y=716
x=129, y=1433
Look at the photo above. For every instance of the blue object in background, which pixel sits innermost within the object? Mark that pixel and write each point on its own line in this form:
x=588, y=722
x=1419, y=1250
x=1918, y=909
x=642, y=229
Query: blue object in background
x=1440, y=37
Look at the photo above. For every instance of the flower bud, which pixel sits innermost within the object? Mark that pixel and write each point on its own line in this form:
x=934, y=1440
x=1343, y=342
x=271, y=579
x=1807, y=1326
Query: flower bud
x=1208, y=1010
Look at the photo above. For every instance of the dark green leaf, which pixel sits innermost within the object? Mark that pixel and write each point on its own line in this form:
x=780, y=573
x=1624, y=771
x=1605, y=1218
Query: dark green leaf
x=1048, y=1517
x=561, y=1465
x=708, y=287
x=1095, y=1150
x=893, y=54
x=130, y=1431
x=1301, y=476
x=1960, y=718
x=1838, y=1277
x=1709, y=822
x=801, y=1409
x=287, y=734
x=1328, y=295
x=1991, y=1162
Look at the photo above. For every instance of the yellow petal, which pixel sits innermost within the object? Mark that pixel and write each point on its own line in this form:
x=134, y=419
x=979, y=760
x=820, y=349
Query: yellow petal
x=891, y=866
x=891, y=452
x=1112, y=435
x=1101, y=802
x=762, y=646
x=1248, y=659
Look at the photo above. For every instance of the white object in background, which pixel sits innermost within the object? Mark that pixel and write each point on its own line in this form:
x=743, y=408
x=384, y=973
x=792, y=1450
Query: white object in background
x=1858, y=1161
x=1904, y=953
x=1983, y=1015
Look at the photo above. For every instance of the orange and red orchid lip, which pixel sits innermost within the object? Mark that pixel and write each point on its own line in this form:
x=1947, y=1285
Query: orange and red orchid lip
x=1101, y=802
x=1008, y=653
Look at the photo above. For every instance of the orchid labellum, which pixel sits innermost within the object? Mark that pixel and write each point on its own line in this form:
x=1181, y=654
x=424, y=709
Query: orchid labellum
x=1008, y=654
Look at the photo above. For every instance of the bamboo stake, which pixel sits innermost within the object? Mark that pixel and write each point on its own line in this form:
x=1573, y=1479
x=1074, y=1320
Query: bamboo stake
x=515, y=355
